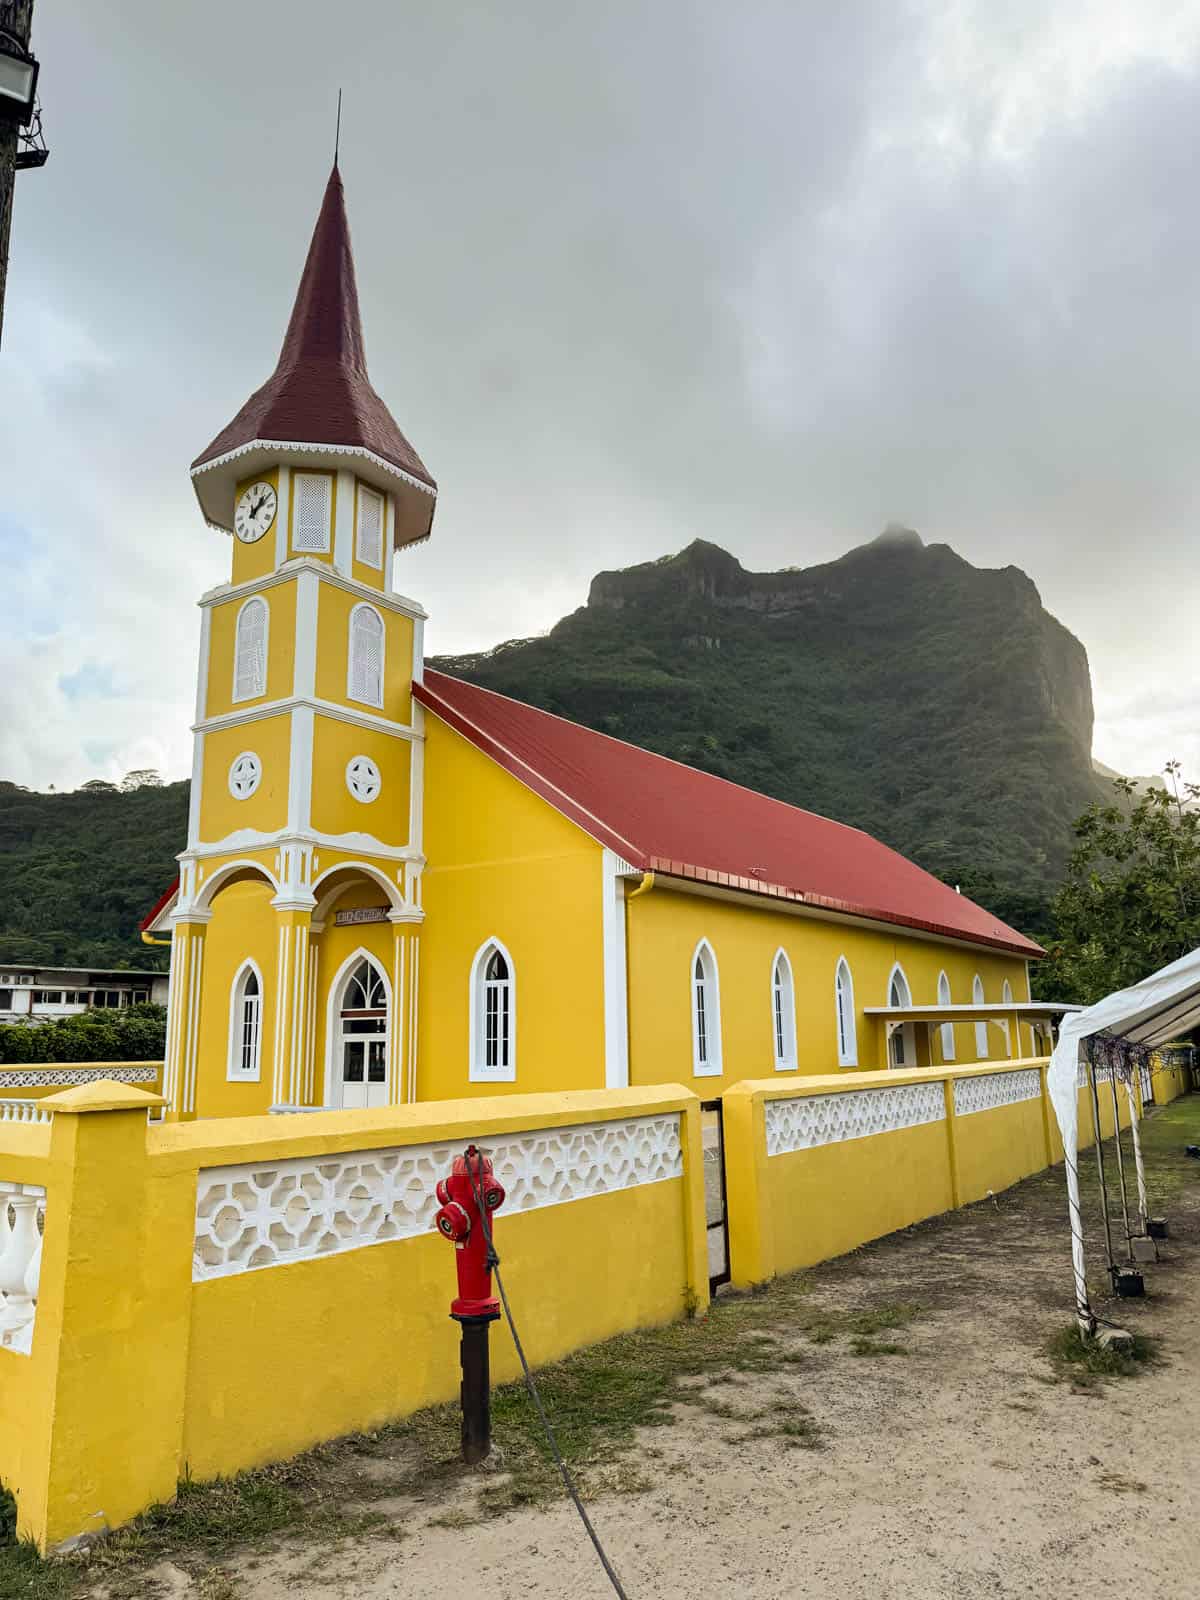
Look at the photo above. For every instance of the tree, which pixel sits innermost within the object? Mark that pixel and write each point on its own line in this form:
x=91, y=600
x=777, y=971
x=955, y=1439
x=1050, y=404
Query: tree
x=97, y=786
x=1130, y=902
x=141, y=778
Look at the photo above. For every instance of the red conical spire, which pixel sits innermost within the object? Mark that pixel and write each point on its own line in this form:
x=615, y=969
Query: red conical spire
x=319, y=396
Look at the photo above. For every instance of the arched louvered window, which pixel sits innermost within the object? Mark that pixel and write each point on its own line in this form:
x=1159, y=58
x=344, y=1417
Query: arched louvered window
x=706, y=1013
x=250, y=650
x=493, y=1015
x=947, y=1027
x=365, y=676
x=245, y=1025
x=902, y=1036
x=783, y=1013
x=847, y=1028
x=981, y=1038
x=368, y=534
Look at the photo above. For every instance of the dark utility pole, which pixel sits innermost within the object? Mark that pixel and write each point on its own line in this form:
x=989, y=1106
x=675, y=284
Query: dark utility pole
x=20, y=135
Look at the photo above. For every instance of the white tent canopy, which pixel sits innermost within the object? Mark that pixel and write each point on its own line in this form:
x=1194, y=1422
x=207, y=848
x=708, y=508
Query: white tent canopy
x=1151, y=1012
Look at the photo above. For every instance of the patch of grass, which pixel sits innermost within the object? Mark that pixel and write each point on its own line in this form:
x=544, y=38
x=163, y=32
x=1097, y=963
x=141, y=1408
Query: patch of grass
x=1085, y=1363
x=1164, y=1133
x=876, y=1347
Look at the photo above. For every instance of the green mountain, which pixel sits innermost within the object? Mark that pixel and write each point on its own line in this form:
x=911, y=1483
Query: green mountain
x=900, y=689
x=79, y=871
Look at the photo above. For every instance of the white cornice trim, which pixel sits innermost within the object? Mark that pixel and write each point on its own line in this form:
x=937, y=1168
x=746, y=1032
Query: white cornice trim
x=300, y=446
x=297, y=702
x=388, y=599
x=350, y=843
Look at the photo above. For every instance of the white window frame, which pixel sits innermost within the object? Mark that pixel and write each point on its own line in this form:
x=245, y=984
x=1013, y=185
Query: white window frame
x=478, y=1070
x=364, y=489
x=981, y=1037
x=943, y=989
x=234, y=1071
x=783, y=1012
x=350, y=694
x=298, y=478
x=711, y=1066
x=845, y=1020
x=908, y=1033
x=256, y=694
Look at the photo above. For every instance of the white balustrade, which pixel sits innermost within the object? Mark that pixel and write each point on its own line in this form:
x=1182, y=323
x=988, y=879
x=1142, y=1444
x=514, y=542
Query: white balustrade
x=14, y=1110
x=22, y=1219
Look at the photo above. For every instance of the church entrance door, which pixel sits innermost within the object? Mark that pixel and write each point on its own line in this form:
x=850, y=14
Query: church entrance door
x=361, y=1055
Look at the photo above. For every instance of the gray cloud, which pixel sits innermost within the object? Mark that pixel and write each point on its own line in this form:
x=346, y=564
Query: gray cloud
x=769, y=275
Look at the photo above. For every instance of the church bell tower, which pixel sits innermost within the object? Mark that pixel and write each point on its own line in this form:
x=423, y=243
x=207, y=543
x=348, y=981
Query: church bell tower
x=304, y=837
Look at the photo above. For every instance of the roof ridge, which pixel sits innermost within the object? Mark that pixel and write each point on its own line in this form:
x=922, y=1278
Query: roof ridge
x=657, y=755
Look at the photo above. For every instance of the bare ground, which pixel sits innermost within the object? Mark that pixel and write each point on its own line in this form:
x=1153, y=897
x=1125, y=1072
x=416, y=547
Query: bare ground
x=947, y=1458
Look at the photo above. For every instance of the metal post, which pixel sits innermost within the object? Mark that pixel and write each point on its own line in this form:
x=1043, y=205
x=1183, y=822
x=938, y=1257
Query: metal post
x=1112, y=1083
x=1139, y=1164
x=476, y=1390
x=16, y=18
x=1112, y=1266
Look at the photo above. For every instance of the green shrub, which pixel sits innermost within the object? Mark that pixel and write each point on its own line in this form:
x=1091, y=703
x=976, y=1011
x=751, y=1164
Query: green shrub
x=134, y=1033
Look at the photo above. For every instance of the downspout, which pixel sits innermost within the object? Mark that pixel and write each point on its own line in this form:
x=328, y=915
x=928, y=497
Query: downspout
x=148, y=938
x=646, y=884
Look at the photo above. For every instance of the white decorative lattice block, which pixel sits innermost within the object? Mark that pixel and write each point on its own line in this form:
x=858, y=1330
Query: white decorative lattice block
x=22, y=1222
x=994, y=1089
x=64, y=1077
x=812, y=1120
x=266, y=1214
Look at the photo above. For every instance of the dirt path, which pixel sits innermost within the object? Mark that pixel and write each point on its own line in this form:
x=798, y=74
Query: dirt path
x=959, y=1466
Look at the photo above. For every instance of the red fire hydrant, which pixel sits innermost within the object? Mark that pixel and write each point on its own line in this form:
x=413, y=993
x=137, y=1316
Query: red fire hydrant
x=469, y=1198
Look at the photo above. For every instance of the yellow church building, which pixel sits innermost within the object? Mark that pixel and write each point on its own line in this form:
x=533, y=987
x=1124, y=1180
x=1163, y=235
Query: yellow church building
x=398, y=886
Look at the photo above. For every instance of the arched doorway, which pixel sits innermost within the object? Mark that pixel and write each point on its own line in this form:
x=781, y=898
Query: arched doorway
x=361, y=1034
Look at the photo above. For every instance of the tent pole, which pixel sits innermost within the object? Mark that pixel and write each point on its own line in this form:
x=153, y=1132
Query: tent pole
x=1112, y=1083
x=1112, y=1266
x=1143, y=1202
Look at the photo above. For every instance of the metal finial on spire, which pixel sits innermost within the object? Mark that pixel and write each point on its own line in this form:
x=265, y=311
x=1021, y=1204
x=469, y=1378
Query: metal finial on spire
x=337, y=135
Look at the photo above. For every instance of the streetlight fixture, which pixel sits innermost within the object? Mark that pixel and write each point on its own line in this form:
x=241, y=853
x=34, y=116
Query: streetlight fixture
x=18, y=81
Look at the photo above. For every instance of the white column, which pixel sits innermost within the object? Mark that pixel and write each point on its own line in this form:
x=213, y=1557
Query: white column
x=616, y=1013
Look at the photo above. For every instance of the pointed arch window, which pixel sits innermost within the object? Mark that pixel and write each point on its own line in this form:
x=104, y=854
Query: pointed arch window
x=245, y=1025
x=493, y=1016
x=783, y=1013
x=847, y=1029
x=947, y=1027
x=365, y=673
x=981, y=1038
x=902, y=1036
x=706, y=1013
x=250, y=650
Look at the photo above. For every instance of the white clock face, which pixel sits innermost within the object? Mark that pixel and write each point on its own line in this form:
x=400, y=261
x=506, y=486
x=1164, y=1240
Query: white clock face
x=255, y=512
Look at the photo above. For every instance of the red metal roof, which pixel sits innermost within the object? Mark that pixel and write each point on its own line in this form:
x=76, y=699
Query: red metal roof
x=159, y=907
x=319, y=393
x=664, y=817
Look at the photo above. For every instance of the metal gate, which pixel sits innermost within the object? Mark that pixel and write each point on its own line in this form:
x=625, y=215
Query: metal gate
x=716, y=1204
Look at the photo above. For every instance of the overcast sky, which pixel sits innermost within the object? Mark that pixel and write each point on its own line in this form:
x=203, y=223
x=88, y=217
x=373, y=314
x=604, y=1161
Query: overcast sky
x=770, y=274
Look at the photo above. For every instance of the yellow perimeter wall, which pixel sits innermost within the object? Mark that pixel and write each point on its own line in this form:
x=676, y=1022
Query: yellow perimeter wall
x=45, y=1074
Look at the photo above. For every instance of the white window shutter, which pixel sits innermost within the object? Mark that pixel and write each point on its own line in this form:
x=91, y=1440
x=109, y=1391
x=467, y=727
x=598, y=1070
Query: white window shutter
x=310, y=516
x=366, y=656
x=250, y=651
x=369, y=543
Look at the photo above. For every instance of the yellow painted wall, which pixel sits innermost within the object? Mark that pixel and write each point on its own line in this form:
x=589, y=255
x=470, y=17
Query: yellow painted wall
x=995, y=1149
x=281, y=649
x=266, y=808
x=333, y=646
x=27, y=1381
x=334, y=808
x=243, y=926
x=504, y=865
x=664, y=927
x=254, y=561
x=334, y=947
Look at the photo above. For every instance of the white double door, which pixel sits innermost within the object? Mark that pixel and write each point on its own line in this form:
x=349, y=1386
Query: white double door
x=363, y=1060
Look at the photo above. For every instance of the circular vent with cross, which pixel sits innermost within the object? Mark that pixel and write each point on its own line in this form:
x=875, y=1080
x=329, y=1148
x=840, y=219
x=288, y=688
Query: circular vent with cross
x=245, y=775
x=363, y=779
